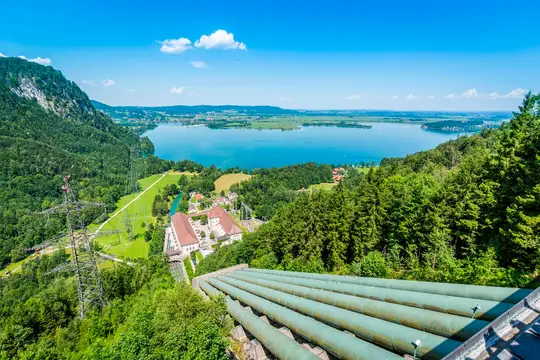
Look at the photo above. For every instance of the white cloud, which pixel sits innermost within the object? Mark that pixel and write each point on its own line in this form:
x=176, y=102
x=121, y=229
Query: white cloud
x=175, y=46
x=431, y=97
x=469, y=94
x=198, y=64
x=395, y=97
x=2, y=55
x=450, y=96
x=516, y=93
x=108, y=82
x=284, y=98
x=130, y=90
x=192, y=93
x=353, y=97
x=177, y=90
x=220, y=39
x=38, y=60
x=89, y=83
x=411, y=97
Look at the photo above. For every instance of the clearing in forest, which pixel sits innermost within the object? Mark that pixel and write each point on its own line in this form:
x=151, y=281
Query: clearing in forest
x=226, y=181
x=140, y=212
x=322, y=186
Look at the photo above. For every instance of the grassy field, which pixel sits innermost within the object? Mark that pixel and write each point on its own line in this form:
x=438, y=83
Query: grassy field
x=365, y=170
x=322, y=186
x=139, y=212
x=226, y=181
x=14, y=267
x=294, y=122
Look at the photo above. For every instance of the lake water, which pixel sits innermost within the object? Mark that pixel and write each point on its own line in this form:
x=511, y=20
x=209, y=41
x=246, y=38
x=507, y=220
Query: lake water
x=250, y=149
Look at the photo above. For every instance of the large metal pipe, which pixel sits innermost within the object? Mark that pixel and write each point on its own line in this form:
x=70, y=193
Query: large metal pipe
x=491, y=293
x=483, y=309
x=394, y=337
x=446, y=325
x=336, y=342
x=283, y=347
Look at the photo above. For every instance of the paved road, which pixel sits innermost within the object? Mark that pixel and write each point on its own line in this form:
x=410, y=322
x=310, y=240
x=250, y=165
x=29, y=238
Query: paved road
x=131, y=202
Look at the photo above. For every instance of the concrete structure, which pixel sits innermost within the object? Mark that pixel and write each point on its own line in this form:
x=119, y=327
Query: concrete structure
x=383, y=318
x=183, y=234
x=222, y=225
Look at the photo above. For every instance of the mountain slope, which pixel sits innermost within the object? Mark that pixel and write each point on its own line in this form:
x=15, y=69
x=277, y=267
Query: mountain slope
x=49, y=128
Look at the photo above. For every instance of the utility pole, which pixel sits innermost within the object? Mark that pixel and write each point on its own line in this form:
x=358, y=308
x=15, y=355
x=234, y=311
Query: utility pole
x=89, y=289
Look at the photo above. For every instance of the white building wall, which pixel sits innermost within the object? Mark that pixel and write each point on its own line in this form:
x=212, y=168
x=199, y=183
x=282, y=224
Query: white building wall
x=190, y=248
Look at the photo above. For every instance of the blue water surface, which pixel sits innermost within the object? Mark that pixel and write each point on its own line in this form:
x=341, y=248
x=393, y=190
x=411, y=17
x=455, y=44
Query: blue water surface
x=248, y=148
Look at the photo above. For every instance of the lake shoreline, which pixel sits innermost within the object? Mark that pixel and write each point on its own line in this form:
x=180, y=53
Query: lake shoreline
x=249, y=148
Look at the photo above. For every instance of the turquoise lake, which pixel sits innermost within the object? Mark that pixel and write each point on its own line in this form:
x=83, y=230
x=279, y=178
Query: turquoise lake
x=250, y=149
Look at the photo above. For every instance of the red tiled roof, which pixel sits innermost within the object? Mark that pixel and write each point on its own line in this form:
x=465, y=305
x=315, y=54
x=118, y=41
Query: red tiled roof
x=183, y=229
x=225, y=220
x=198, y=197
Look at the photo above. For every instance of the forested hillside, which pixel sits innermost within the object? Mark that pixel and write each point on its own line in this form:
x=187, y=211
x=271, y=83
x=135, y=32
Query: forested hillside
x=467, y=211
x=148, y=316
x=270, y=189
x=48, y=129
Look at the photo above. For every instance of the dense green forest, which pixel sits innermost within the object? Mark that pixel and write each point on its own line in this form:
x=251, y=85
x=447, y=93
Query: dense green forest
x=148, y=316
x=467, y=211
x=272, y=188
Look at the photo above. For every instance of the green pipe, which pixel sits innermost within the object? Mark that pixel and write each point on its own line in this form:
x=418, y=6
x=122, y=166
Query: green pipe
x=336, y=342
x=283, y=347
x=446, y=325
x=396, y=338
x=491, y=293
x=488, y=310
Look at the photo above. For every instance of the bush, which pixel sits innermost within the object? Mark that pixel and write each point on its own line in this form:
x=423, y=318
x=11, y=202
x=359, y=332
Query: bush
x=189, y=268
x=372, y=265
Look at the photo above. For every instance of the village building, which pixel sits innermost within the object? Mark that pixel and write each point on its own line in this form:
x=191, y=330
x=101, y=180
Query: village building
x=221, y=201
x=198, y=197
x=183, y=233
x=222, y=225
x=192, y=209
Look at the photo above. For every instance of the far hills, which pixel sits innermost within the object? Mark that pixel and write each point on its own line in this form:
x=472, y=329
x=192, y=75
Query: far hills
x=273, y=117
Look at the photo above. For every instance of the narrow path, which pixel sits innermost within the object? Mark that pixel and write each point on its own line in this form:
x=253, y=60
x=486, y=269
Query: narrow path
x=129, y=203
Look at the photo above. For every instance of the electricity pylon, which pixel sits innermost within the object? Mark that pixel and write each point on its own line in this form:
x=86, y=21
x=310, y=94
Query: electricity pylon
x=83, y=263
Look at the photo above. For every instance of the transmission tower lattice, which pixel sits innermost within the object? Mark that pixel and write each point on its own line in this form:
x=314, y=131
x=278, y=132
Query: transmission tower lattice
x=83, y=263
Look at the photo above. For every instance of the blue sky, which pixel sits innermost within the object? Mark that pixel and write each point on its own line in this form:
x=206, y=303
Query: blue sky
x=417, y=55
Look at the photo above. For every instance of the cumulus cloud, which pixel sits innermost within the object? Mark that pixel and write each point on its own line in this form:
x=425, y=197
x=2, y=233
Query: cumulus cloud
x=395, y=97
x=220, y=39
x=108, y=82
x=89, y=83
x=450, y=96
x=516, y=93
x=353, y=97
x=198, y=64
x=469, y=94
x=2, y=55
x=411, y=97
x=38, y=60
x=175, y=46
x=177, y=90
